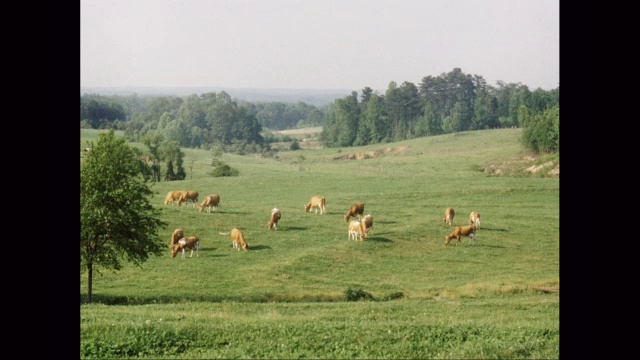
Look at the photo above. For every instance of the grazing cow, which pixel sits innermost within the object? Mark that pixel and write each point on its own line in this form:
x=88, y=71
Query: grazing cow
x=368, y=223
x=355, y=209
x=474, y=219
x=238, y=240
x=357, y=230
x=448, y=216
x=459, y=231
x=211, y=202
x=275, y=217
x=188, y=196
x=191, y=243
x=177, y=235
x=317, y=202
x=173, y=196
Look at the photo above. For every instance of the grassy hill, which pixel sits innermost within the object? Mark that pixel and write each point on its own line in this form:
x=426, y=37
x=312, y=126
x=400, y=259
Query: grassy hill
x=288, y=295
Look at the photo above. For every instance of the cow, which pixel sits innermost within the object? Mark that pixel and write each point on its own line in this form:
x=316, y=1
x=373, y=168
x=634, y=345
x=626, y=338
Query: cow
x=191, y=243
x=357, y=230
x=173, y=196
x=238, y=240
x=460, y=231
x=177, y=235
x=211, y=202
x=368, y=223
x=190, y=196
x=448, y=216
x=317, y=202
x=275, y=217
x=355, y=209
x=474, y=219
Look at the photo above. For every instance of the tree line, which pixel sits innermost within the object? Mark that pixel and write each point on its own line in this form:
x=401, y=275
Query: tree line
x=196, y=121
x=450, y=102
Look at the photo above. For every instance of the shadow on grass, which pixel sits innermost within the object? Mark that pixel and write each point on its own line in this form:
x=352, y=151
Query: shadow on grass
x=294, y=228
x=492, y=229
x=256, y=298
x=259, y=247
x=378, y=239
x=383, y=221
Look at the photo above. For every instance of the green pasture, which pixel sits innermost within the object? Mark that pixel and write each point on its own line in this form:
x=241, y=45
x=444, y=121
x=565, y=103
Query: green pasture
x=286, y=297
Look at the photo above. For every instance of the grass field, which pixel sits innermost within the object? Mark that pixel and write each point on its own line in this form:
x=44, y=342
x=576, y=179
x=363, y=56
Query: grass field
x=287, y=297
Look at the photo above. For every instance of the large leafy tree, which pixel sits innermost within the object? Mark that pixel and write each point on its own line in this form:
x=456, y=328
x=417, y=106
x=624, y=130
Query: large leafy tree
x=117, y=221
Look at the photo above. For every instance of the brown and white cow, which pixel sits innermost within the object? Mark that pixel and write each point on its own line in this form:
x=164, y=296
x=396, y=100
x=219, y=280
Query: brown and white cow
x=356, y=209
x=238, y=240
x=172, y=197
x=459, y=231
x=191, y=243
x=474, y=219
x=448, y=216
x=275, y=217
x=177, y=235
x=211, y=203
x=368, y=223
x=357, y=230
x=317, y=202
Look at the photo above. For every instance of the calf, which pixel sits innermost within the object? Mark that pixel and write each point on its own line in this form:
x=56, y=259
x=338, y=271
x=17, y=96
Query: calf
x=474, y=219
x=317, y=202
x=275, y=217
x=448, y=216
x=191, y=243
x=355, y=209
x=357, y=230
x=460, y=231
x=238, y=240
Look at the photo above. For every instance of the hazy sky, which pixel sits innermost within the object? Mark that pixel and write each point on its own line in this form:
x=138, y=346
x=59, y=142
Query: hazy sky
x=316, y=44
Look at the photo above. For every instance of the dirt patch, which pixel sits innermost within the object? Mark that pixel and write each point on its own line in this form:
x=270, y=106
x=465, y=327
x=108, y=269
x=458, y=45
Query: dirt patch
x=373, y=153
x=527, y=165
x=536, y=168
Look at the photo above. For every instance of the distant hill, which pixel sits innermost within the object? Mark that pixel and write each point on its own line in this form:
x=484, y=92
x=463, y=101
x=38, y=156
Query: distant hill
x=316, y=97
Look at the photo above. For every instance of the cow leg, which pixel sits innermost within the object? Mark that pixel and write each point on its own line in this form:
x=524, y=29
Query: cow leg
x=473, y=239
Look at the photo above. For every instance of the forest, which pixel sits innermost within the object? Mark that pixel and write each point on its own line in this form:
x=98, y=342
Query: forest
x=447, y=103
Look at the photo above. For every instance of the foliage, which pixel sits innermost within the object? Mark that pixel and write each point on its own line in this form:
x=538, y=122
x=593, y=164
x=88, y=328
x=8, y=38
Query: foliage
x=541, y=132
x=117, y=220
x=294, y=145
x=357, y=295
x=223, y=169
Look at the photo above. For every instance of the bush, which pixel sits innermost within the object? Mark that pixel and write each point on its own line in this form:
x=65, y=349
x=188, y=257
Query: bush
x=224, y=170
x=294, y=145
x=357, y=295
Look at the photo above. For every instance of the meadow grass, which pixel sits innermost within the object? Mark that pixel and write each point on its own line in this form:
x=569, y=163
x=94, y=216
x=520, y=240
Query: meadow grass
x=285, y=297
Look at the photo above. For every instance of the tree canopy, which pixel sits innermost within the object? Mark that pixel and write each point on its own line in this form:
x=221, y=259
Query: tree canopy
x=117, y=221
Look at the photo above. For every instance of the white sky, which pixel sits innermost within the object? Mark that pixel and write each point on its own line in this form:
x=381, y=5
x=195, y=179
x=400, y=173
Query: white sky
x=316, y=44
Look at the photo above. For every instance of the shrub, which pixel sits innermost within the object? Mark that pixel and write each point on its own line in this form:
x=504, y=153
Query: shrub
x=224, y=170
x=357, y=295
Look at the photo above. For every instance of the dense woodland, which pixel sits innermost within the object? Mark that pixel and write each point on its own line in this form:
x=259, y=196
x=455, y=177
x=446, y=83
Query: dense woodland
x=450, y=102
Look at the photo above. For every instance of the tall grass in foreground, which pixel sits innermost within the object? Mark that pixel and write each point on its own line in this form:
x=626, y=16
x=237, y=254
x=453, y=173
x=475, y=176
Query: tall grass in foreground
x=287, y=296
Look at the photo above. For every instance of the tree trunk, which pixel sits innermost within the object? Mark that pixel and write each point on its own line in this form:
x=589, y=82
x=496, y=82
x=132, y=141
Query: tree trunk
x=90, y=281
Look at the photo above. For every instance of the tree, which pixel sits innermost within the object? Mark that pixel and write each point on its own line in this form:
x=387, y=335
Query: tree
x=117, y=221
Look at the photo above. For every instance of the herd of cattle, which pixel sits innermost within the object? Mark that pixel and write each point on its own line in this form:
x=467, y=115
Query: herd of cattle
x=358, y=229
